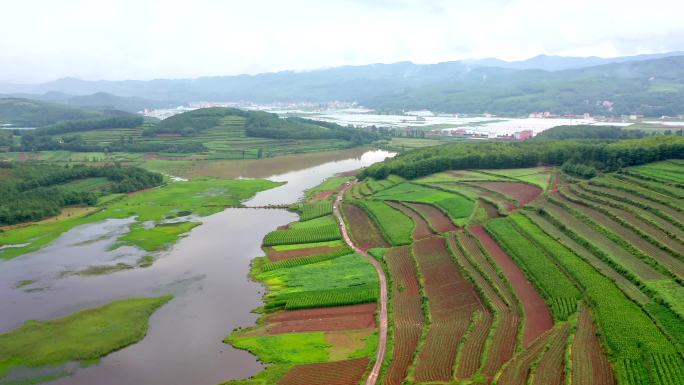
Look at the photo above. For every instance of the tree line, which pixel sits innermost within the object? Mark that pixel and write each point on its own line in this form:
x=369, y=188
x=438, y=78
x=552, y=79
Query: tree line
x=35, y=190
x=603, y=155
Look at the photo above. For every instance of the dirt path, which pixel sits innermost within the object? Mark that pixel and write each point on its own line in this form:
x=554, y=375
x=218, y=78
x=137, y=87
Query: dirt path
x=382, y=340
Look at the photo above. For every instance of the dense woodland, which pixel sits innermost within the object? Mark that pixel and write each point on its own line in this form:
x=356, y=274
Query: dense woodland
x=32, y=191
x=603, y=155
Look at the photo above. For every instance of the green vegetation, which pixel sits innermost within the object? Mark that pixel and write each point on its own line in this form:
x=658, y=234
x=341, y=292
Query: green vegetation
x=34, y=191
x=315, y=210
x=156, y=238
x=86, y=335
x=559, y=292
x=474, y=155
x=200, y=197
x=456, y=206
x=303, y=235
x=33, y=113
x=330, y=281
x=395, y=226
x=300, y=261
x=284, y=348
x=296, y=246
x=630, y=336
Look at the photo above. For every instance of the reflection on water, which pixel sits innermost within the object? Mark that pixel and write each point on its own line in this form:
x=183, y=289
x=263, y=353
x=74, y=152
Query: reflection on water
x=298, y=181
x=206, y=271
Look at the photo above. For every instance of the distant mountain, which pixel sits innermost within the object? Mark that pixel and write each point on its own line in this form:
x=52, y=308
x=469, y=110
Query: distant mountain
x=99, y=101
x=559, y=63
x=645, y=84
x=34, y=113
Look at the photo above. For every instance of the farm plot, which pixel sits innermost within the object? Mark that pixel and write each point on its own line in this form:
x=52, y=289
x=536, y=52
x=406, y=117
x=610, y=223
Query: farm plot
x=456, y=206
x=631, y=344
x=504, y=337
x=451, y=303
x=539, y=176
x=508, y=204
x=560, y=293
x=395, y=226
x=654, y=196
x=328, y=232
x=344, y=280
x=660, y=186
x=550, y=369
x=348, y=372
x=421, y=229
x=275, y=254
x=316, y=209
x=537, y=316
x=654, y=226
x=439, y=222
x=638, y=241
x=666, y=171
x=470, y=358
x=407, y=313
x=590, y=365
x=364, y=232
x=322, y=319
x=524, y=193
x=518, y=369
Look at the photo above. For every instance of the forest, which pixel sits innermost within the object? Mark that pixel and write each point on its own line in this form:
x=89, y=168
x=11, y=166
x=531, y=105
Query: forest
x=33, y=191
x=605, y=155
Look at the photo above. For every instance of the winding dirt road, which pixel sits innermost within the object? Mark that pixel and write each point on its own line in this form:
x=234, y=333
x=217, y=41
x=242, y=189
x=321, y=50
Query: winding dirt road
x=382, y=340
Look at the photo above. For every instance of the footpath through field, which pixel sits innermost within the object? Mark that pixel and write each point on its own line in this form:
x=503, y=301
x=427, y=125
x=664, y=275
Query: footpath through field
x=382, y=340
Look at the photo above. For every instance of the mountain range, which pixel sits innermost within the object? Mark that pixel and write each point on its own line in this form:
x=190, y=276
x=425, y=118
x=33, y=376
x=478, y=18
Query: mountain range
x=651, y=85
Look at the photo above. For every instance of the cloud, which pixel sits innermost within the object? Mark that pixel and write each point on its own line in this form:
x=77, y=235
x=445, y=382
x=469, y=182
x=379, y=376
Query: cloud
x=145, y=39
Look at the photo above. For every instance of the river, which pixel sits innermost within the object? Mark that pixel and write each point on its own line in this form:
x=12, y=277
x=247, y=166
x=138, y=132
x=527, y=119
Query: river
x=206, y=271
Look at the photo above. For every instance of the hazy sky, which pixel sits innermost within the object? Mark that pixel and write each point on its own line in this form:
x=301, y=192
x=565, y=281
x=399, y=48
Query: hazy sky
x=139, y=39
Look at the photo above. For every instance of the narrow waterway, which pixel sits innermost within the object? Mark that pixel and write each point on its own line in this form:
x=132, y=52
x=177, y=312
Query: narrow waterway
x=206, y=271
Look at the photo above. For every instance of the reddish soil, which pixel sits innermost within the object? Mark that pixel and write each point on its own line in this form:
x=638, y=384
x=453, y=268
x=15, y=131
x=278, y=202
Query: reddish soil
x=323, y=195
x=452, y=301
x=551, y=366
x=347, y=372
x=275, y=255
x=522, y=192
x=421, y=229
x=322, y=319
x=435, y=217
x=407, y=311
x=590, y=365
x=364, y=232
x=537, y=316
x=23, y=156
x=518, y=369
x=492, y=211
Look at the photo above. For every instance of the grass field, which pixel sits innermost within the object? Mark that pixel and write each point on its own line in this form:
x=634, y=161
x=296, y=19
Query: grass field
x=200, y=197
x=105, y=329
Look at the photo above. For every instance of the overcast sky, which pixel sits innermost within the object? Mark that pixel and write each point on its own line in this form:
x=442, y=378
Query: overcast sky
x=139, y=39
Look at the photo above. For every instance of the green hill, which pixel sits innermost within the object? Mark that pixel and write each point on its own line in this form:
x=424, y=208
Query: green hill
x=33, y=113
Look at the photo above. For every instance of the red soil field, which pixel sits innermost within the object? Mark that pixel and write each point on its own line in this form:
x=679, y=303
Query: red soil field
x=551, y=367
x=421, y=229
x=322, y=319
x=451, y=302
x=348, y=372
x=537, y=316
x=590, y=365
x=323, y=195
x=407, y=313
x=518, y=370
x=522, y=192
x=435, y=217
x=275, y=255
x=364, y=233
x=491, y=210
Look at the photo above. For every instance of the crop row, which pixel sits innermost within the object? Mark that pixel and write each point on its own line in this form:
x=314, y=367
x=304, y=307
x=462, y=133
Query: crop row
x=559, y=292
x=435, y=218
x=328, y=232
x=328, y=298
x=396, y=226
x=316, y=210
x=300, y=261
x=641, y=242
x=347, y=372
x=627, y=341
x=651, y=184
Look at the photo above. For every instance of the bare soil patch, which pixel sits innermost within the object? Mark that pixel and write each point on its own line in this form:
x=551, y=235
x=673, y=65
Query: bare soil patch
x=322, y=319
x=364, y=232
x=435, y=217
x=537, y=316
x=421, y=229
x=522, y=192
x=347, y=372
